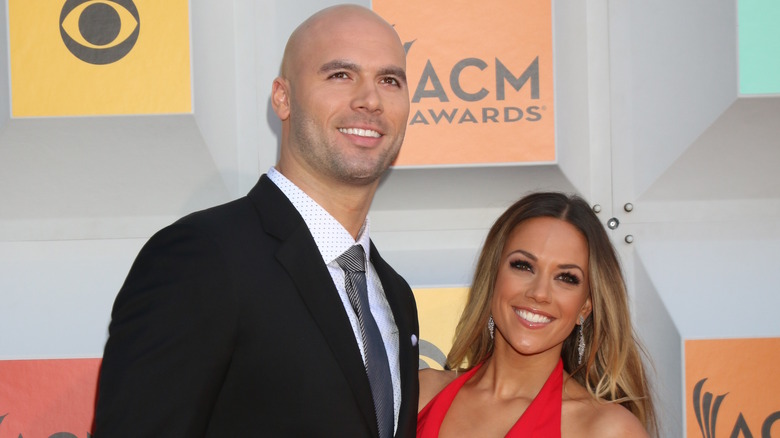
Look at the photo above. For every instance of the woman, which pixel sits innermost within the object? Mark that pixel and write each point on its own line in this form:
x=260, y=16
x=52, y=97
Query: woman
x=545, y=346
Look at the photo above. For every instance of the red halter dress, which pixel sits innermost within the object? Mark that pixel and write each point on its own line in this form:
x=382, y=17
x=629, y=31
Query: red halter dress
x=541, y=419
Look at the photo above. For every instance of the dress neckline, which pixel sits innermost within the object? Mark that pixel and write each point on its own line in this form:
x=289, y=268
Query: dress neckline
x=541, y=418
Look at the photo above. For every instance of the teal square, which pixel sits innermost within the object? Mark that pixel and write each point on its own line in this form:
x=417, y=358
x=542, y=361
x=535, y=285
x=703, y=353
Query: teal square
x=759, y=46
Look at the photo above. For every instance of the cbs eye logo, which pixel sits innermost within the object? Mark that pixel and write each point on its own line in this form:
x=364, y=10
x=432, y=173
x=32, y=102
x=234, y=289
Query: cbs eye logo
x=99, y=31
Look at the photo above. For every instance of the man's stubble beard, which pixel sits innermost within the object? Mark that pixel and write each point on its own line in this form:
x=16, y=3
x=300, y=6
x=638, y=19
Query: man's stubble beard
x=321, y=152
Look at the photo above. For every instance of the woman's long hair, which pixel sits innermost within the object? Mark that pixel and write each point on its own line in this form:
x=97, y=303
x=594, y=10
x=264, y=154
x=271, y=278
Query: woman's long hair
x=613, y=367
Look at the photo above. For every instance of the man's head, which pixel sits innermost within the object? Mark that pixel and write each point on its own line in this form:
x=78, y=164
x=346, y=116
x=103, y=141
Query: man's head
x=342, y=97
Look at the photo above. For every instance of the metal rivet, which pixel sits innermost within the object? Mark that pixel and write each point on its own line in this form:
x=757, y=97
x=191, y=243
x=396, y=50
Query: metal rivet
x=597, y=208
x=628, y=207
x=613, y=223
x=629, y=239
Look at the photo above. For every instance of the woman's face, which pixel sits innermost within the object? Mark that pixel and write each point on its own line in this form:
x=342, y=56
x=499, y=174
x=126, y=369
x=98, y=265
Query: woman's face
x=541, y=286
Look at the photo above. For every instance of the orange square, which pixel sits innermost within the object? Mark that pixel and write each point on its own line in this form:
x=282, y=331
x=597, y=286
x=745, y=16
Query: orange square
x=480, y=81
x=731, y=387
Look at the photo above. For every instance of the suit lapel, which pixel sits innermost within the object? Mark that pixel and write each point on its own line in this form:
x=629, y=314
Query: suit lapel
x=299, y=256
x=397, y=293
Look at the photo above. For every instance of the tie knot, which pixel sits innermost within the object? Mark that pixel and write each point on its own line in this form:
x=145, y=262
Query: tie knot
x=353, y=259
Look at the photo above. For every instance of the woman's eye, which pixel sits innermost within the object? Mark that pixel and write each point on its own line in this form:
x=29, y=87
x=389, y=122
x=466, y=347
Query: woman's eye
x=569, y=278
x=522, y=265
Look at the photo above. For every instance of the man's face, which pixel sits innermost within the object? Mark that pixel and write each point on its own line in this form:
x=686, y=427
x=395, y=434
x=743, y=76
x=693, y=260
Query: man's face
x=349, y=100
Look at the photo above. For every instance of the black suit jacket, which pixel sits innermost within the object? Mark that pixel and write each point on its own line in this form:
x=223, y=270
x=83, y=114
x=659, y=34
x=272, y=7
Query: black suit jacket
x=229, y=324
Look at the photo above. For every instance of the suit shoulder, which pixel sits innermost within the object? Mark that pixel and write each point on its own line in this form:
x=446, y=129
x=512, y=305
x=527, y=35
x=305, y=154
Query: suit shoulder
x=220, y=214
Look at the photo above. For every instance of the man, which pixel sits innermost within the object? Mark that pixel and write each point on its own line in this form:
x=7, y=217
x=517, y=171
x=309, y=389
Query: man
x=238, y=320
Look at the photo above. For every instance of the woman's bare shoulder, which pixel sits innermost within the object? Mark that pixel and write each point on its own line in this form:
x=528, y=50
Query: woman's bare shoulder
x=613, y=420
x=604, y=419
x=432, y=381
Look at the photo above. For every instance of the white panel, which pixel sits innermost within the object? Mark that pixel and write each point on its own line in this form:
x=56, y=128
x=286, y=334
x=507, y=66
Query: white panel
x=713, y=277
x=674, y=71
x=269, y=41
x=57, y=296
x=582, y=97
x=432, y=258
x=663, y=343
x=255, y=141
x=412, y=203
x=225, y=98
x=102, y=177
x=599, y=101
x=214, y=67
x=736, y=158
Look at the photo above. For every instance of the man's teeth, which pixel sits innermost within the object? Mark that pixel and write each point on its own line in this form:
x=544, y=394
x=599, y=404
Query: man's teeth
x=532, y=317
x=359, y=132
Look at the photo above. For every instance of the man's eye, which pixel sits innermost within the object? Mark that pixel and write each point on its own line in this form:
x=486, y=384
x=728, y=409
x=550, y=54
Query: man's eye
x=340, y=75
x=391, y=81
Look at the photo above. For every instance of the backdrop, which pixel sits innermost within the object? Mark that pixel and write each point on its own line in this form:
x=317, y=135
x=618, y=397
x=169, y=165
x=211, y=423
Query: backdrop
x=662, y=115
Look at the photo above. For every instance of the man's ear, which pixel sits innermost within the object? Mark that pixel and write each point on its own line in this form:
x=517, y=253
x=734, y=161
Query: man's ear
x=280, y=98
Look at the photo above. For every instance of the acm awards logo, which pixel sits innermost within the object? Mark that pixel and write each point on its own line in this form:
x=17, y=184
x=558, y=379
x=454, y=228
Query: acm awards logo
x=707, y=406
x=99, y=32
x=430, y=87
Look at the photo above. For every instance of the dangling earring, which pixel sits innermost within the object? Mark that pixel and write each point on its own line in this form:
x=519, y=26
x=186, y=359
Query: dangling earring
x=491, y=326
x=581, y=343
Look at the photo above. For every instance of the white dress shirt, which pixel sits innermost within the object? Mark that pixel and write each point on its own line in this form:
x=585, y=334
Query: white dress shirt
x=332, y=240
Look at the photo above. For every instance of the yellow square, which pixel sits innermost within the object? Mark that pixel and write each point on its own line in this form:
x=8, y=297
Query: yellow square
x=99, y=57
x=438, y=310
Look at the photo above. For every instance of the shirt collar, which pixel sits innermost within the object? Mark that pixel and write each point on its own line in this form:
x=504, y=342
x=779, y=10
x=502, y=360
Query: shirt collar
x=331, y=237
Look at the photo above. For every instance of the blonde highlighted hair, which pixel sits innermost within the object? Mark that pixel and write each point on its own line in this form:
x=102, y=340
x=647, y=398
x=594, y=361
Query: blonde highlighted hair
x=612, y=368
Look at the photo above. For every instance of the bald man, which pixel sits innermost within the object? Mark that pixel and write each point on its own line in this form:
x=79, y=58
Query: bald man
x=238, y=320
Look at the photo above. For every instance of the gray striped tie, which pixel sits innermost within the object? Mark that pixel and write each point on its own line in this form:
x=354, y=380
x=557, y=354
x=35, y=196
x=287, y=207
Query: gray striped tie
x=353, y=263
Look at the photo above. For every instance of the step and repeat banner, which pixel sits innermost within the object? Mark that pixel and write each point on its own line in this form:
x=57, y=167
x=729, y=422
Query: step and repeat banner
x=481, y=86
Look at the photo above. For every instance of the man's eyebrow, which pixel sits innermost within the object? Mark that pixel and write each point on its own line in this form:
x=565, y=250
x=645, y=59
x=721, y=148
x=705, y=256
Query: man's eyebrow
x=339, y=65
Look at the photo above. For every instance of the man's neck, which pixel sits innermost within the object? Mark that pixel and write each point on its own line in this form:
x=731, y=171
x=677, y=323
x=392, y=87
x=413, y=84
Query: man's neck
x=347, y=203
